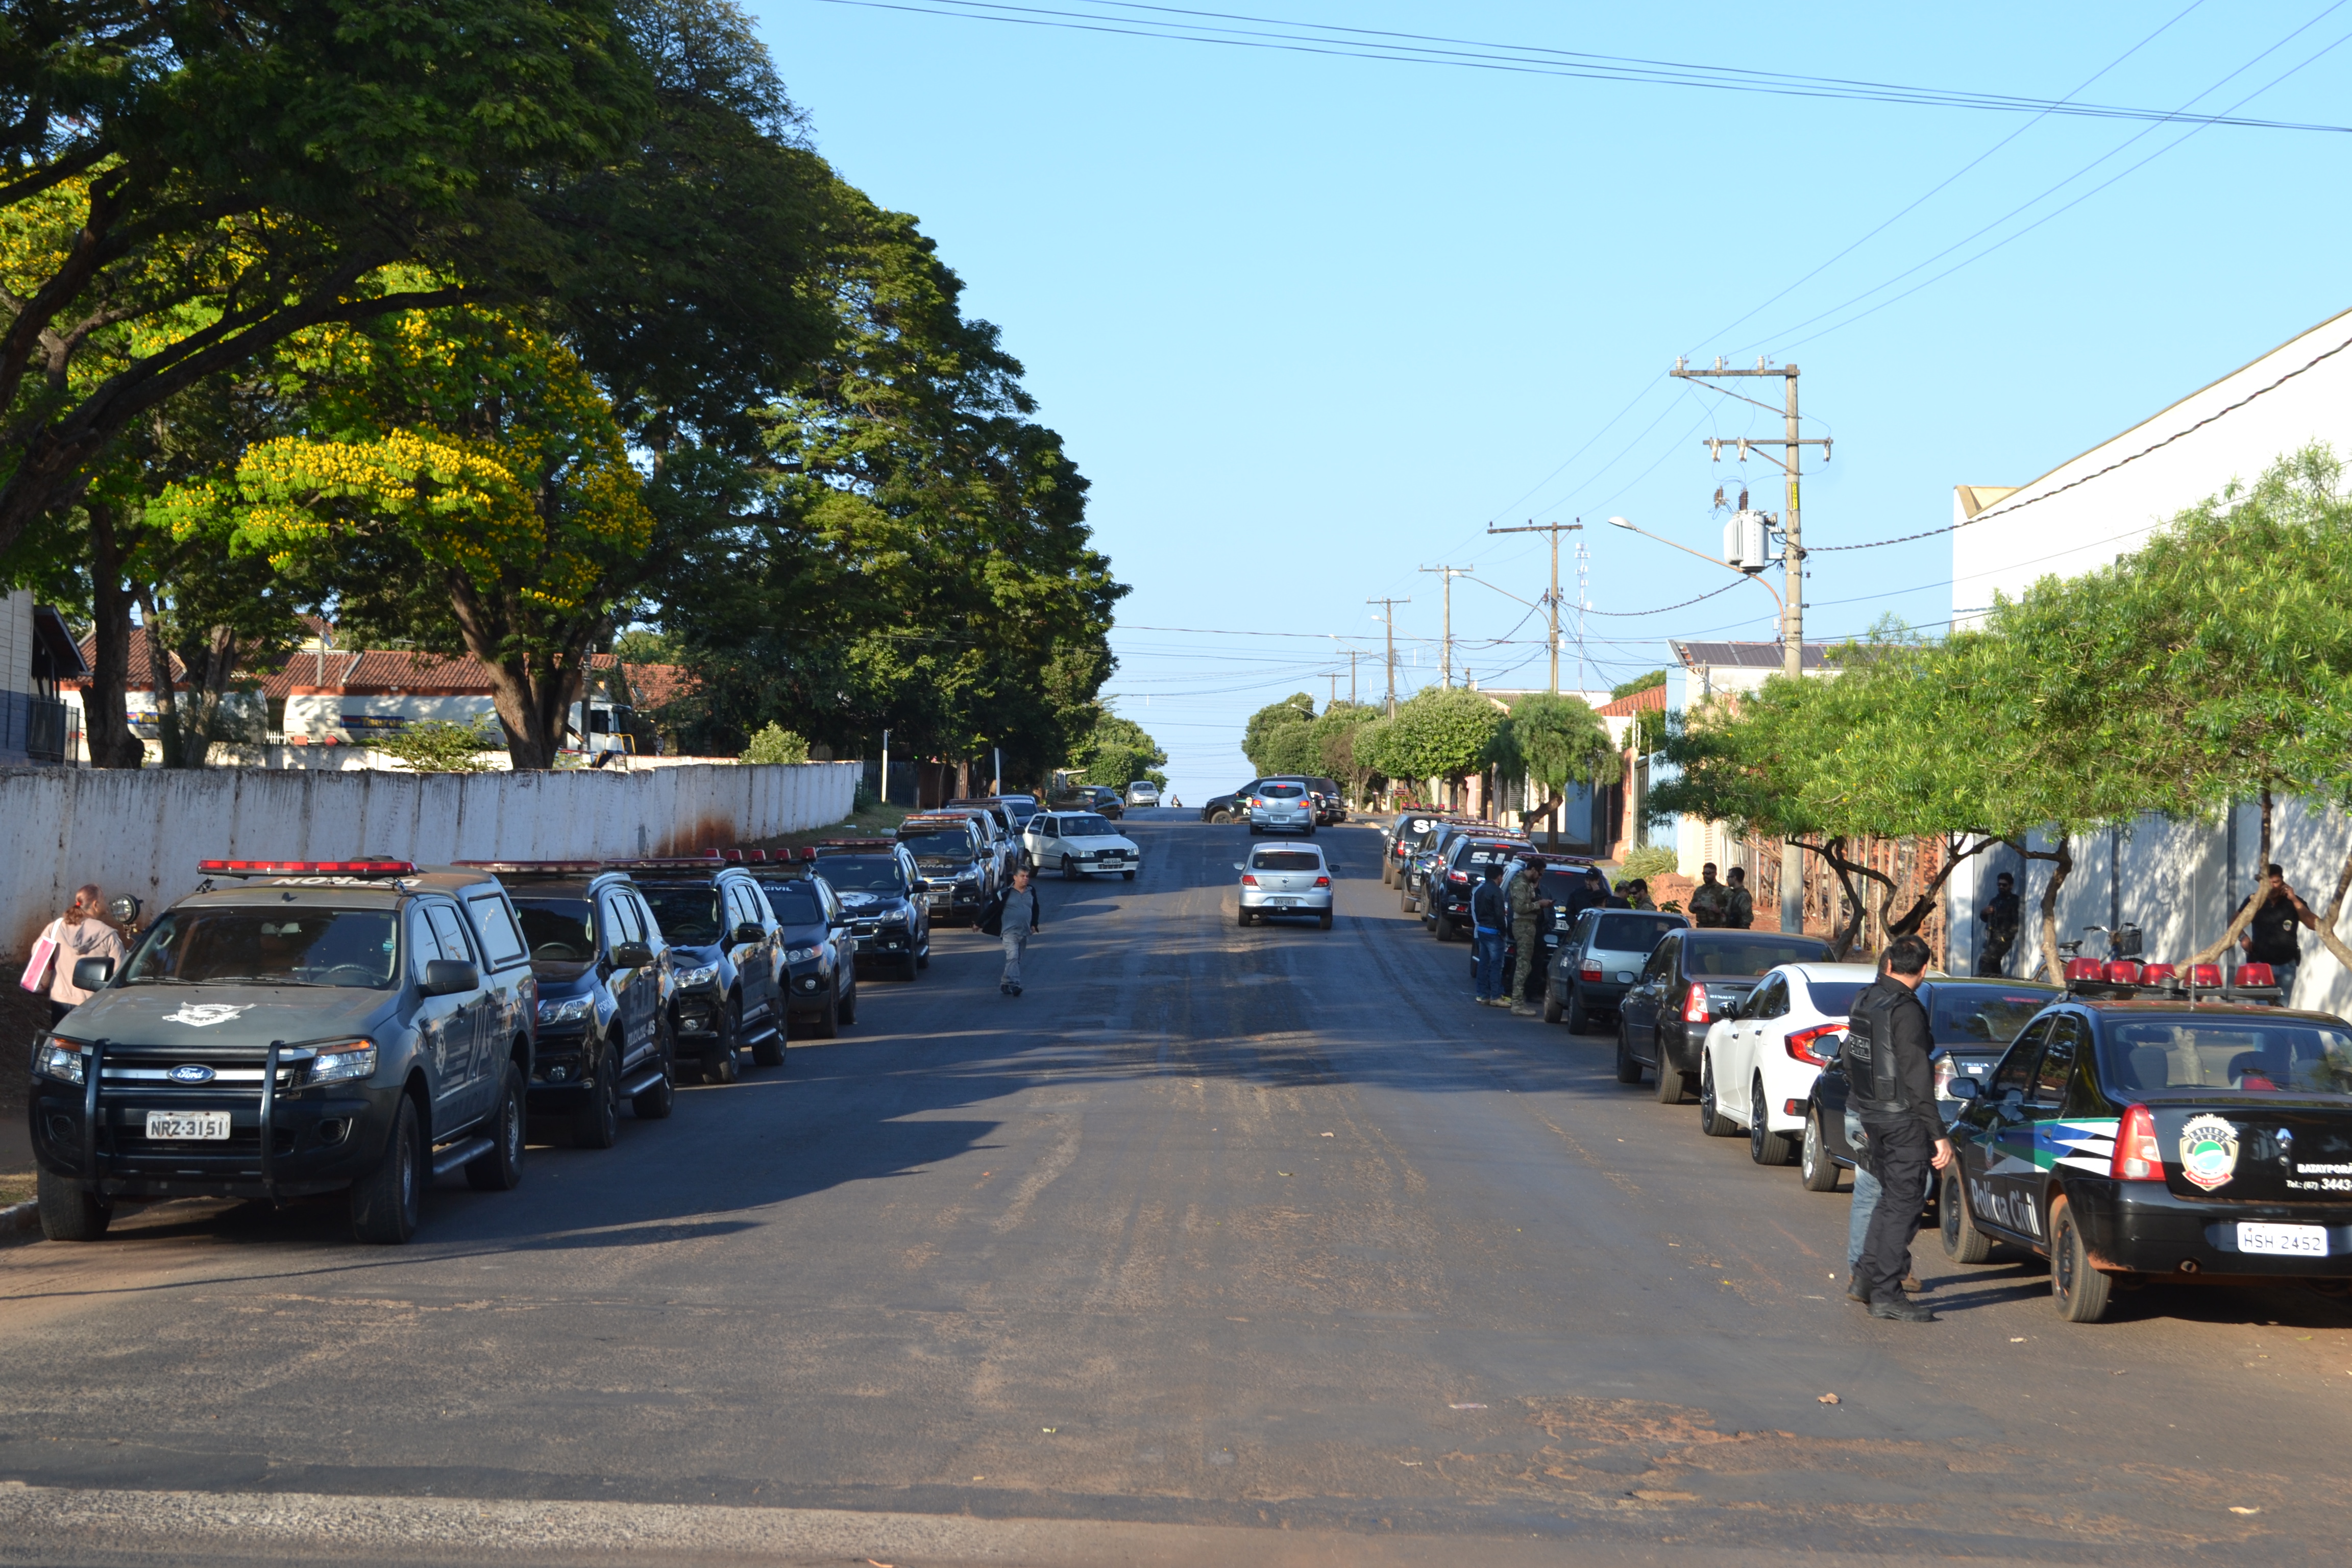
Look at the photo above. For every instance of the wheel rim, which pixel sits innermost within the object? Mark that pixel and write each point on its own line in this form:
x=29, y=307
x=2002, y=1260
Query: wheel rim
x=1948, y=1221
x=1813, y=1154
x=513, y=1131
x=2061, y=1260
x=1756, y=1126
x=1706, y=1088
x=408, y=1175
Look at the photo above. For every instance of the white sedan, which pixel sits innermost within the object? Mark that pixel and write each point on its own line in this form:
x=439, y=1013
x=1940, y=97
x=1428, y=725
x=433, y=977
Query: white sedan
x=1079, y=842
x=1757, y=1066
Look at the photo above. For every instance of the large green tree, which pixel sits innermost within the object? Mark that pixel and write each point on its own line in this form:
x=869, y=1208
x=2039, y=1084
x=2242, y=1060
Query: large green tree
x=1557, y=741
x=1441, y=732
x=1280, y=738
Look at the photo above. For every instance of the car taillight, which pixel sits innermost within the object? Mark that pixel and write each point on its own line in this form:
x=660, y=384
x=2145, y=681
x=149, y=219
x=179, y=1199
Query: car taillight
x=1694, y=1004
x=2121, y=971
x=2205, y=975
x=2136, y=1157
x=1248, y=880
x=1457, y=876
x=1322, y=881
x=2081, y=968
x=1817, y=1045
x=2253, y=975
x=1590, y=969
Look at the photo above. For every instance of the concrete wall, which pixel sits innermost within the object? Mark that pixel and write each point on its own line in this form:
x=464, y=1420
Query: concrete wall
x=142, y=832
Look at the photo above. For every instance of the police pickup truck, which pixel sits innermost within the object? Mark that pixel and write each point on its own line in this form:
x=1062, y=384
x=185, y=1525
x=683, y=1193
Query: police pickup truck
x=291, y=1028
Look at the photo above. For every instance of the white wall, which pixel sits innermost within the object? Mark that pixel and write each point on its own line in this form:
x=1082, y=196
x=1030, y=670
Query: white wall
x=142, y=832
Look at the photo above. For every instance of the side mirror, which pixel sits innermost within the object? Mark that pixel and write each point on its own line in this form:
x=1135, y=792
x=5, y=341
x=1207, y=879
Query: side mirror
x=449, y=976
x=632, y=956
x=1964, y=1088
x=1239, y=867
x=89, y=973
x=748, y=932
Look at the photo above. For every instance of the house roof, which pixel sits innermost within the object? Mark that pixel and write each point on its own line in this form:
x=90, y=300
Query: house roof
x=396, y=672
x=1649, y=700
x=1746, y=655
x=53, y=637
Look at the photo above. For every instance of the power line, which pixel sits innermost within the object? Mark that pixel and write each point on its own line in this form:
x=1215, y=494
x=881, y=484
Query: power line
x=1526, y=59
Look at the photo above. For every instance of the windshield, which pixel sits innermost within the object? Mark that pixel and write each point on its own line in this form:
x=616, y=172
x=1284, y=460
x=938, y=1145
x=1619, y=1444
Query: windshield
x=687, y=916
x=1631, y=933
x=559, y=930
x=2250, y=1056
x=1286, y=860
x=794, y=904
x=1085, y=827
x=1022, y=810
x=1751, y=957
x=859, y=874
x=1959, y=1014
x=955, y=845
x=354, y=948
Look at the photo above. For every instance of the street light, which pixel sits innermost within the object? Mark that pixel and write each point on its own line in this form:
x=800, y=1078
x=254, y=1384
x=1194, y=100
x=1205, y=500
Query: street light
x=1628, y=527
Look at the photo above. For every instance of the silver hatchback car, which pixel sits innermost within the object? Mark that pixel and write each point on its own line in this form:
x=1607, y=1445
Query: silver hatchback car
x=1293, y=879
x=1282, y=804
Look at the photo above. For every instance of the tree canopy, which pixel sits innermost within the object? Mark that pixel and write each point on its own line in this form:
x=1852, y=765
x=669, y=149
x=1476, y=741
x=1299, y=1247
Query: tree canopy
x=1439, y=733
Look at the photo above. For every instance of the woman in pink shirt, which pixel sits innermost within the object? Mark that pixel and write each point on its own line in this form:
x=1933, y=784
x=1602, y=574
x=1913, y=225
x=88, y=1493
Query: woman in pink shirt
x=80, y=932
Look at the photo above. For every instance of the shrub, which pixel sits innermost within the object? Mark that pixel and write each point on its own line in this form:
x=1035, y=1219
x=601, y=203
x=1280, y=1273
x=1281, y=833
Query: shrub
x=437, y=746
x=1649, y=861
x=776, y=744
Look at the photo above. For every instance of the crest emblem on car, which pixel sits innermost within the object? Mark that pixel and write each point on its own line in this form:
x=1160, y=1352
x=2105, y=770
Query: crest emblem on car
x=2209, y=1151
x=191, y=1072
x=205, y=1014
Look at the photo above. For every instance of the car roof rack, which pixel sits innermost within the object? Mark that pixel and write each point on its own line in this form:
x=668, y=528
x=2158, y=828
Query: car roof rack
x=366, y=866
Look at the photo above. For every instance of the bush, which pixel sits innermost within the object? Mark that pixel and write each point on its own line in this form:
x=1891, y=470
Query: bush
x=776, y=744
x=1649, y=861
x=437, y=746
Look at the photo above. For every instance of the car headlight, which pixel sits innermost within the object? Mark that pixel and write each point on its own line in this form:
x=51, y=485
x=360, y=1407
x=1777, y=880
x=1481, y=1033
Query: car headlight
x=893, y=918
x=801, y=954
x=342, y=1060
x=701, y=974
x=59, y=1059
x=566, y=1010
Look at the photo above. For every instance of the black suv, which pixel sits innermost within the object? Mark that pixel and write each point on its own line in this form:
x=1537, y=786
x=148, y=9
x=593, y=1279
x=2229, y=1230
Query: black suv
x=725, y=962
x=959, y=866
x=604, y=1032
x=820, y=979
x=1693, y=978
x=881, y=888
x=290, y=1028
x=1445, y=910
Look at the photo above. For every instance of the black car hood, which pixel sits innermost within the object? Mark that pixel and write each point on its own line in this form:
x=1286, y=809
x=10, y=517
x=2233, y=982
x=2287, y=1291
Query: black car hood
x=804, y=935
x=560, y=978
x=194, y=1017
x=693, y=956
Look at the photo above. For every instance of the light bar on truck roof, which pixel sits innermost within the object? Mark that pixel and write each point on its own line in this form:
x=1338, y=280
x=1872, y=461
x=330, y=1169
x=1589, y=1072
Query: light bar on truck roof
x=376, y=867
x=534, y=867
x=858, y=843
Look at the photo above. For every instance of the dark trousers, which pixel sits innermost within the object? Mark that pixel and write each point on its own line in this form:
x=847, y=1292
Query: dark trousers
x=1995, y=956
x=1900, y=1152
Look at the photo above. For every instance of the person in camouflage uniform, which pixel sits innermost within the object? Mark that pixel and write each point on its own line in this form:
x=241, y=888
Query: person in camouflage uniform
x=1709, y=899
x=1739, y=906
x=1529, y=909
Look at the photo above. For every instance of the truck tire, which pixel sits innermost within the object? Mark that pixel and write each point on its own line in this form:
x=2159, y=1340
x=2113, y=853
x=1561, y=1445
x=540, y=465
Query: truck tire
x=1765, y=1146
x=1963, y=1242
x=1814, y=1166
x=596, y=1124
x=69, y=1213
x=501, y=1170
x=2079, y=1292
x=389, y=1200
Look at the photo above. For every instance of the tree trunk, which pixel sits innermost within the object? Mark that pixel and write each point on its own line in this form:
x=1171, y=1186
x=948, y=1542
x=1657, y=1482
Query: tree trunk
x=159, y=678
x=2062, y=859
x=2254, y=901
x=1924, y=904
x=533, y=693
x=106, y=714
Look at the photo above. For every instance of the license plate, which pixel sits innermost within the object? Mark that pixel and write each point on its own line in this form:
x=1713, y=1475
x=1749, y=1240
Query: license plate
x=187, y=1126
x=2284, y=1240
x=1285, y=903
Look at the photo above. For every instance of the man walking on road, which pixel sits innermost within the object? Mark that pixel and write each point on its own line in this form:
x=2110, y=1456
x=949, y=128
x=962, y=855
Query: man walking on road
x=1016, y=912
x=1893, y=1088
x=1529, y=909
x=2002, y=919
x=1487, y=914
x=1738, y=904
x=1708, y=900
x=2271, y=939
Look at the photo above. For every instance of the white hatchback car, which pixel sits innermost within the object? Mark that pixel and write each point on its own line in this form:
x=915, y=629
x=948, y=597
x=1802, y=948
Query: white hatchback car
x=1143, y=792
x=1077, y=842
x=1757, y=1066
x=1284, y=879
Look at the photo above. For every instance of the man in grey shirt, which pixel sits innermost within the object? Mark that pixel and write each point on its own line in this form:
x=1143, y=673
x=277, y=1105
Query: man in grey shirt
x=1018, y=916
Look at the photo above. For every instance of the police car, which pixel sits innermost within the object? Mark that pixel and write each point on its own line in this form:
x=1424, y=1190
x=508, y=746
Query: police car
x=1079, y=842
x=2168, y=1135
x=294, y=1028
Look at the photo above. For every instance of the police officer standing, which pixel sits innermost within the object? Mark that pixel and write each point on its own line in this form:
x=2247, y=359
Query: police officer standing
x=1530, y=909
x=1710, y=898
x=1893, y=1088
x=2002, y=919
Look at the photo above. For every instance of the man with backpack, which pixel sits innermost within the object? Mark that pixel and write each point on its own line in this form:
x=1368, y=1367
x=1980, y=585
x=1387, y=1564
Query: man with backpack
x=1891, y=1087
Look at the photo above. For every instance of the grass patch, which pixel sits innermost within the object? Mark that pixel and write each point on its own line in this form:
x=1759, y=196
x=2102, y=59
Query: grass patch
x=15, y=1187
x=873, y=820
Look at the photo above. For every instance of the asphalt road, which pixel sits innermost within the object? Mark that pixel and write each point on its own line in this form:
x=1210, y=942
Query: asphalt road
x=1219, y=1245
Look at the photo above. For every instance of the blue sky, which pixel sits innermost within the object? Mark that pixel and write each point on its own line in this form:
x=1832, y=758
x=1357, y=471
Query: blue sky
x=1311, y=323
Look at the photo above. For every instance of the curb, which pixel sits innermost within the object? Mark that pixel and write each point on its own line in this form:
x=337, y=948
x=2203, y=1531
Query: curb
x=20, y=1222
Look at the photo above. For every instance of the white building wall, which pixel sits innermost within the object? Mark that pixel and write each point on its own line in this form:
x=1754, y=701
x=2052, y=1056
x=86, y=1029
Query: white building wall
x=2178, y=881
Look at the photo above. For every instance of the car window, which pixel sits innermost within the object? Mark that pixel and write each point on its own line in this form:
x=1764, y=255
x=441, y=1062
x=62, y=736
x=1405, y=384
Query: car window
x=1661, y=961
x=500, y=941
x=1771, y=998
x=2016, y=1068
x=861, y=873
x=451, y=932
x=1958, y=1012
x=353, y=948
x=1629, y=933
x=1486, y=854
x=688, y=913
x=561, y=929
x=2056, y=1069
x=1753, y=956
x=1087, y=827
x=1835, y=997
x=1286, y=860
x=627, y=919
x=797, y=903
x=2253, y=1056
x=1282, y=792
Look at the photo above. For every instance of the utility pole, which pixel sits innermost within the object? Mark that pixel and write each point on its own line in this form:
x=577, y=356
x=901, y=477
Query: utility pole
x=1334, y=699
x=1793, y=564
x=1351, y=677
x=1387, y=620
x=1583, y=603
x=1552, y=599
x=1446, y=574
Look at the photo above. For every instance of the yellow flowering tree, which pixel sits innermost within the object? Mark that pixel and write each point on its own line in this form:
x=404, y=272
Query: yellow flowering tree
x=471, y=450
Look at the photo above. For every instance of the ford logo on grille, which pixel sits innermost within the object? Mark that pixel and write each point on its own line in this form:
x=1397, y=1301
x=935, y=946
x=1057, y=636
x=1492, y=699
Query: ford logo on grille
x=191, y=1072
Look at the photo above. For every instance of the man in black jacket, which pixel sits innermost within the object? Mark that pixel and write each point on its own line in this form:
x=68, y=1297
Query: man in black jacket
x=1893, y=1088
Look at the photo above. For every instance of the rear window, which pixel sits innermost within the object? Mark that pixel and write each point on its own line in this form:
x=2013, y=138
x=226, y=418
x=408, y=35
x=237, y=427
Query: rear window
x=1486, y=854
x=1992, y=1015
x=2250, y=1056
x=1286, y=860
x=1836, y=996
x=1752, y=957
x=1631, y=933
x=1282, y=792
x=794, y=904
